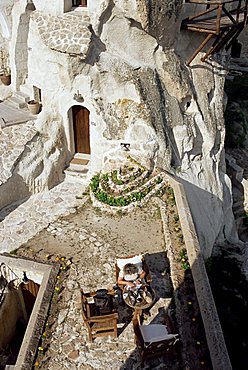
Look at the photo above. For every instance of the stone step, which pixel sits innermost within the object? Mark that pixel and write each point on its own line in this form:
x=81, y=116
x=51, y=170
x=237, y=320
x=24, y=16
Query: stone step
x=82, y=9
x=82, y=156
x=21, y=96
x=12, y=115
x=77, y=167
x=18, y=103
x=72, y=176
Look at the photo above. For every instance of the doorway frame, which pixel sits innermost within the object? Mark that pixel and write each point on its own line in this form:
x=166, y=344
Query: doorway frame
x=70, y=131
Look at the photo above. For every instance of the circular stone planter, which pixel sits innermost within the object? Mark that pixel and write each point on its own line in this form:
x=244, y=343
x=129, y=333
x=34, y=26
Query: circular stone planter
x=33, y=106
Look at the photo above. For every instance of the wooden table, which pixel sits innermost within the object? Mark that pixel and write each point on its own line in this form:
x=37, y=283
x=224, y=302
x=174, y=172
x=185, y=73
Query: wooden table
x=138, y=307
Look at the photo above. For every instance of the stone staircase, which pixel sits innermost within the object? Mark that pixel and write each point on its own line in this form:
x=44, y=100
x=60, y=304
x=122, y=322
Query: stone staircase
x=19, y=99
x=78, y=167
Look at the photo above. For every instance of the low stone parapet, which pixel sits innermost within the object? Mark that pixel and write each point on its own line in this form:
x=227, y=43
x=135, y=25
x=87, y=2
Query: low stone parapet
x=214, y=335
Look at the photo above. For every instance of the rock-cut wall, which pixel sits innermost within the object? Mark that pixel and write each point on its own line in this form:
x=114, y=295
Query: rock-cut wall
x=182, y=106
x=129, y=66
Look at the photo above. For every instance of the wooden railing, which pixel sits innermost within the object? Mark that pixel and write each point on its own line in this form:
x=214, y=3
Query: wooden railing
x=221, y=21
x=216, y=10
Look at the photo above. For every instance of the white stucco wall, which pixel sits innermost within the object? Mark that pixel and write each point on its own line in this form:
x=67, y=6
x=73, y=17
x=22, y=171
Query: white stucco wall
x=4, y=25
x=54, y=7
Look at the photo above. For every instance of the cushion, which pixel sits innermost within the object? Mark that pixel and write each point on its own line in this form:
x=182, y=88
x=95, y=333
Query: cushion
x=155, y=333
x=121, y=262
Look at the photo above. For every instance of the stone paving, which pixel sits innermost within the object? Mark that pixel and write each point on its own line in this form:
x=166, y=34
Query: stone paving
x=67, y=33
x=93, y=267
x=28, y=218
x=12, y=115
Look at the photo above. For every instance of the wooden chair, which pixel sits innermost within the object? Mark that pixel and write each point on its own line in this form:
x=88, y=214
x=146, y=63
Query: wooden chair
x=154, y=342
x=129, y=259
x=97, y=326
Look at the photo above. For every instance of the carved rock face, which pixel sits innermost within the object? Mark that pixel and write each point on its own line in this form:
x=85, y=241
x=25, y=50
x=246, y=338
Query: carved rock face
x=183, y=107
x=131, y=73
x=159, y=18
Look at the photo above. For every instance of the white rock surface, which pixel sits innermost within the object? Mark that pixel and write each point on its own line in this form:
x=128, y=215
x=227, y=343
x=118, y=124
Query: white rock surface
x=132, y=76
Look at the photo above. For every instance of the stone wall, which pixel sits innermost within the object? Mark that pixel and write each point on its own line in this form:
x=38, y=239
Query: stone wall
x=33, y=159
x=55, y=7
x=39, y=313
x=214, y=335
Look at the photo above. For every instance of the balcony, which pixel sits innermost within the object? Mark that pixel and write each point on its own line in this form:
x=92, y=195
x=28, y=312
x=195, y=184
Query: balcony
x=221, y=21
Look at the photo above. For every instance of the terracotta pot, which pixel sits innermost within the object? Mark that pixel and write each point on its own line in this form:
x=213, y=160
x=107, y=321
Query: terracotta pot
x=6, y=79
x=33, y=106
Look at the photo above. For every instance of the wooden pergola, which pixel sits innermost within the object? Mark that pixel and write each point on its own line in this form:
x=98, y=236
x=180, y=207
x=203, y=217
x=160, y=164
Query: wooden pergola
x=221, y=21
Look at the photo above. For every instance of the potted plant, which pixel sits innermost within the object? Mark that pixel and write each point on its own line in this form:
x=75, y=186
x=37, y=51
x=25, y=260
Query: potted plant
x=33, y=106
x=5, y=74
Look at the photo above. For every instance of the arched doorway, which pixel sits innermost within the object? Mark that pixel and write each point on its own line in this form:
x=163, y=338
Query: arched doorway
x=81, y=129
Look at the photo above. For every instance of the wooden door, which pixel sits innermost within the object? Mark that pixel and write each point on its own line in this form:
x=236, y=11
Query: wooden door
x=79, y=2
x=81, y=129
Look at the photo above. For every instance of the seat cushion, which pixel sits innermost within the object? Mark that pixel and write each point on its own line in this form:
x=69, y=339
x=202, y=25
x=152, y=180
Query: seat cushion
x=155, y=333
x=136, y=260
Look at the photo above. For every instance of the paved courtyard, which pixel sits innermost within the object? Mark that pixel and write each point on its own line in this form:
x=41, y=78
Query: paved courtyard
x=23, y=220
x=92, y=240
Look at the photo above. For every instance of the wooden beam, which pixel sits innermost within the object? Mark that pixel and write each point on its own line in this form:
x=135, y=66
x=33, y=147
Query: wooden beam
x=202, y=30
x=238, y=31
x=230, y=15
x=218, y=19
x=201, y=13
x=219, y=44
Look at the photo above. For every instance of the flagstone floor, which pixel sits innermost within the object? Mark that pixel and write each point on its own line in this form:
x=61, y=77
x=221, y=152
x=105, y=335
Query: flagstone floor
x=92, y=240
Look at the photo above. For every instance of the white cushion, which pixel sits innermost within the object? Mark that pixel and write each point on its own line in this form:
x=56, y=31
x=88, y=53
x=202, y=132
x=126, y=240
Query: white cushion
x=155, y=333
x=121, y=262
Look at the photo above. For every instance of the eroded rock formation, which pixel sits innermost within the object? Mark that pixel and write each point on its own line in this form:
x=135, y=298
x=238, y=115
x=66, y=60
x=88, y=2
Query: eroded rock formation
x=135, y=84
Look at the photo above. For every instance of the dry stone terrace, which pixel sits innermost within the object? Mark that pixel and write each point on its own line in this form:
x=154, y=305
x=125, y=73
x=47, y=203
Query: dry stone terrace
x=93, y=240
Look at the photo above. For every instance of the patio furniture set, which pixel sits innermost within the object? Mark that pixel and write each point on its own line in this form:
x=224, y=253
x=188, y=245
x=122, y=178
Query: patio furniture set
x=100, y=310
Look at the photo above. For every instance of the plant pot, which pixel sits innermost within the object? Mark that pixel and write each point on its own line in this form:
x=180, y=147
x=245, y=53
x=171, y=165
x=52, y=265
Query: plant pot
x=33, y=106
x=6, y=79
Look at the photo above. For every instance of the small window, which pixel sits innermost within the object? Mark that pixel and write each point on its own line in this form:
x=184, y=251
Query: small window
x=79, y=2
